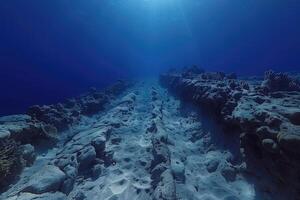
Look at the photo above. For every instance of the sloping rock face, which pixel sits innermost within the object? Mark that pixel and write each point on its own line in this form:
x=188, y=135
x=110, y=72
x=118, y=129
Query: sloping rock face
x=265, y=115
x=20, y=135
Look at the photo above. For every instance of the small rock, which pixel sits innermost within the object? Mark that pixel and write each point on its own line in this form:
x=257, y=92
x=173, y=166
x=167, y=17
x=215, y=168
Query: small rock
x=289, y=142
x=99, y=145
x=178, y=170
x=212, y=166
x=295, y=118
x=79, y=196
x=229, y=173
x=4, y=134
x=28, y=154
x=270, y=145
x=67, y=186
x=71, y=171
x=152, y=128
x=116, y=141
x=259, y=100
x=265, y=132
x=86, y=156
x=166, y=187
x=97, y=171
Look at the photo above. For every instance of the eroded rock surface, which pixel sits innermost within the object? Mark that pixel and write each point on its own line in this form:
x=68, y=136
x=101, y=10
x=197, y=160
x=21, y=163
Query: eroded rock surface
x=264, y=115
x=22, y=135
x=145, y=144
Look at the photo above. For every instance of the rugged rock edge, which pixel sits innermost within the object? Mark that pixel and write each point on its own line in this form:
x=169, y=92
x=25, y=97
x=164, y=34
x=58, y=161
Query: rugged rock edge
x=22, y=135
x=266, y=116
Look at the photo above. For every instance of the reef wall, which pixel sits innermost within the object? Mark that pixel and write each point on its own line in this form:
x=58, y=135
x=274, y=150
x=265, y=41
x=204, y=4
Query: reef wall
x=265, y=114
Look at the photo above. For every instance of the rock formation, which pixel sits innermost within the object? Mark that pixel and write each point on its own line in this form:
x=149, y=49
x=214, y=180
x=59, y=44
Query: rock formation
x=266, y=118
x=237, y=140
x=20, y=134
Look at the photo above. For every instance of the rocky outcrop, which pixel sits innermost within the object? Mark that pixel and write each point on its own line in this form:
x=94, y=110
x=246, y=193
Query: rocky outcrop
x=265, y=115
x=86, y=153
x=163, y=181
x=21, y=135
x=279, y=82
x=62, y=115
x=18, y=135
x=24, y=129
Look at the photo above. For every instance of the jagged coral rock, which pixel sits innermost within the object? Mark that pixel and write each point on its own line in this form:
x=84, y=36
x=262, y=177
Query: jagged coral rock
x=279, y=82
x=25, y=130
x=10, y=161
x=19, y=133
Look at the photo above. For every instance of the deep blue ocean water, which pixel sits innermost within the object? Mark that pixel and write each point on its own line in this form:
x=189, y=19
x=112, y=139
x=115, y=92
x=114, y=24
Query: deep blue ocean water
x=54, y=49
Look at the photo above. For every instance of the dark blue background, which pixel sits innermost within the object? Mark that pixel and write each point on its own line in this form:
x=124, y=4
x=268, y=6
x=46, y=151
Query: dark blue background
x=54, y=49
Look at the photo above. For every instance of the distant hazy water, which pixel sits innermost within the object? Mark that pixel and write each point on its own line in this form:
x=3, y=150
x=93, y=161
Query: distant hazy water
x=54, y=49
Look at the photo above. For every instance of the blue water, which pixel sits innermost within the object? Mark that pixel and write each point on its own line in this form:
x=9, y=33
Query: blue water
x=54, y=49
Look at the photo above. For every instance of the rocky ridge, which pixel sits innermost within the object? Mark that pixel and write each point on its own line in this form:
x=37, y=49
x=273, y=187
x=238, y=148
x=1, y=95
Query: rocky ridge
x=22, y=135
x=264, y=115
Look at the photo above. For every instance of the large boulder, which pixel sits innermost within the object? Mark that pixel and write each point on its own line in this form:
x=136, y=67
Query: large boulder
x=289, y=142
x=48, y=179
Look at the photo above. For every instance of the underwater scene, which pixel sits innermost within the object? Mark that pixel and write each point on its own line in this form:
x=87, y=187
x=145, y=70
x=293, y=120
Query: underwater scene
x=150, y=100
